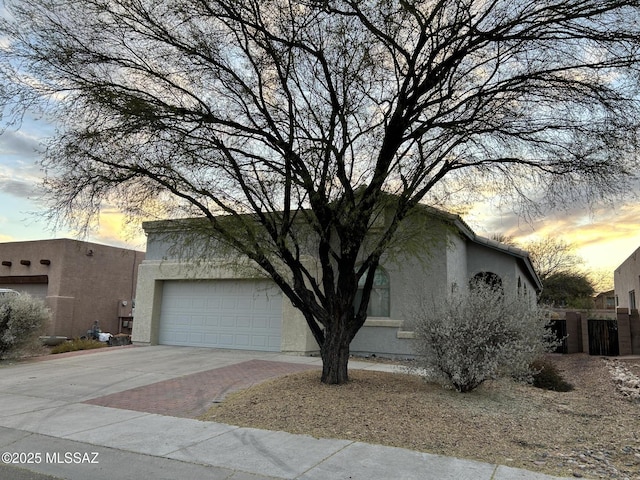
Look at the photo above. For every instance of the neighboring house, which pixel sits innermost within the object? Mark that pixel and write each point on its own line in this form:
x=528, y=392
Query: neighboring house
x=80, y=282
x=605, y=300
x=214, y=303
x=626, y=282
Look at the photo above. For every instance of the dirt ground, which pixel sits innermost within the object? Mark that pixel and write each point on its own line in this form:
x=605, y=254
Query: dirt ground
x=591, y=432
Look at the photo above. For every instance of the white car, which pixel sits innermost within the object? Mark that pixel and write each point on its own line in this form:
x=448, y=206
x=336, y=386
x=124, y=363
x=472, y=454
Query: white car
x=7, y=293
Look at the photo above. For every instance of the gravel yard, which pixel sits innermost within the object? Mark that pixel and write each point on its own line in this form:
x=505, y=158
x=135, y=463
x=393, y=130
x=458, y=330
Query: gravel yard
x=591, y=432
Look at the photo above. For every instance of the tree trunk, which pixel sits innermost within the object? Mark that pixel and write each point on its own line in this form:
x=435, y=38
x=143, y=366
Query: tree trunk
x=335, y=358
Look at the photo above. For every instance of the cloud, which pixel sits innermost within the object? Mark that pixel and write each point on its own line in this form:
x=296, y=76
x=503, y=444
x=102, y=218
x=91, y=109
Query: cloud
x=20, y=184
x=114, y=230
x=20, y=174
x=20, y=144
x=20, y=188
x=603, y=236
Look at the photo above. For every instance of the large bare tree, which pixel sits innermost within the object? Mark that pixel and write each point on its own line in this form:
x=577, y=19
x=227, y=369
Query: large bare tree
x=301, y=119
x=552, y=256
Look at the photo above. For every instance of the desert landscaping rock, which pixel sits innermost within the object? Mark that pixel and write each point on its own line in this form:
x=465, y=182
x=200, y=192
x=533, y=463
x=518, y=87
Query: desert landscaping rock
x=627, y=382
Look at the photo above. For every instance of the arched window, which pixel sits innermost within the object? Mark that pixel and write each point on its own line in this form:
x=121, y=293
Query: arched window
x=379, y=299
x=520, y=287
x=490, y=278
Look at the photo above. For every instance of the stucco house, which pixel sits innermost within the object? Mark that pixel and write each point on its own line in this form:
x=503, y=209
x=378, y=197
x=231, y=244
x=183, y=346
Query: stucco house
x=626, y=281
x=216, y=304
x=79, y=281
x=605, y=300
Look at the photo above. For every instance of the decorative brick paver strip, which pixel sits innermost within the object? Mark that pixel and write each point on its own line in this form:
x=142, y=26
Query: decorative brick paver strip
x=190, y=396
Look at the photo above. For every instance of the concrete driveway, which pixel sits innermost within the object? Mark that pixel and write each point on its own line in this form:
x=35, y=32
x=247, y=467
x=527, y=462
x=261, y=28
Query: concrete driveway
x=124, y=413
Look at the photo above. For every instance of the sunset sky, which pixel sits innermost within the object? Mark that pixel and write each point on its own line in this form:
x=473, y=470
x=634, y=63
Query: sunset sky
x=604, y=236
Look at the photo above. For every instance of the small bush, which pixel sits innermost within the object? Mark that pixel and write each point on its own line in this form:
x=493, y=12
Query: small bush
x=548, y=377
x=22, y=320
x=78, y=344
x=479, y=335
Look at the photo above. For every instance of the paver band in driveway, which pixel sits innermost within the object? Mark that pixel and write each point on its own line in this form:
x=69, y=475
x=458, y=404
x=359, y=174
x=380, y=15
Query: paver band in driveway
x=190, y=396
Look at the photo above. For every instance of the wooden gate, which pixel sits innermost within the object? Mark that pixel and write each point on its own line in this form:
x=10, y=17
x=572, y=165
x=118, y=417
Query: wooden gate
x=559, y=327
x=603, y=337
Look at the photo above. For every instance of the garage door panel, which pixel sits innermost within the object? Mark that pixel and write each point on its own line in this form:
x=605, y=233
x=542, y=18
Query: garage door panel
x=213, y=303
x=179, y=321
x=263, y=323
x=260, y=343
x=274, y=322
x=212, y=322
x=198, y=304
x=230, y=304
x=227, y=321
x=242, y=340
x=211, y=338
x=243, y=322
x=181, y=336
x=221, y=313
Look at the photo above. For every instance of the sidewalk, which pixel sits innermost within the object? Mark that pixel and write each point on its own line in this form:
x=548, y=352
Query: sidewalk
x=48, y=411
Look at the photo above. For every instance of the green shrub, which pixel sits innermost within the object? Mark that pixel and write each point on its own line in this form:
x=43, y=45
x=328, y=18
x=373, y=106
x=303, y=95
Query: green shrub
x=478, y=335
x=78, y=344
x=22, y=320
x=548, y=377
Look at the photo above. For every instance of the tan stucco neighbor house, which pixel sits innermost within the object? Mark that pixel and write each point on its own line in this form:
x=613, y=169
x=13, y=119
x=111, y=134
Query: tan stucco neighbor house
x=626, y=279
x=215, y=304
x=79, y=281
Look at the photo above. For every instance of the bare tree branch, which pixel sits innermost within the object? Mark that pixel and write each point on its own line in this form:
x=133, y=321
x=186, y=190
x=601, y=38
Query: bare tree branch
x=315, y=127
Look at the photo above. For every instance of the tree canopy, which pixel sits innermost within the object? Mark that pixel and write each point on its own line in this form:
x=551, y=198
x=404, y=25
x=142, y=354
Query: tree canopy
x=568, y=289
x=564, y=281
x=552, y=256
x=313, y=112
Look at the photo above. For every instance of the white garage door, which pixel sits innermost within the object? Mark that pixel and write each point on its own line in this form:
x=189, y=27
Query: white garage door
x=238, y=314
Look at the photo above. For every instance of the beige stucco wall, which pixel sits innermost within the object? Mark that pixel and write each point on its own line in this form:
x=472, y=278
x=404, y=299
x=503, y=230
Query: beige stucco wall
x=85, y=280
x=417, y=277
x=431, y=261
x=626, y=278
x=485, y=259
x=414, y=277
x=457, y=278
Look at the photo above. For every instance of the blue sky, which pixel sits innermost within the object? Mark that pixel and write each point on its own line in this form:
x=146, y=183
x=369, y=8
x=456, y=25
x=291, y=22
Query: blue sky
x=604, y=236
x=20, y=178
x=21, y=206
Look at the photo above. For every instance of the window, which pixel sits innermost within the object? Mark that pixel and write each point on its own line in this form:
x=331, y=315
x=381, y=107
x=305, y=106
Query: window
x=632, y=299
x=490, y=279
x=379, y=300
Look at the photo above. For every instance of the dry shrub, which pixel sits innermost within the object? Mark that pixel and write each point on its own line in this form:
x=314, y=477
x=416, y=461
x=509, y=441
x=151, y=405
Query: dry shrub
x=479, y=335
x=78, y=344
x=548, y=377
x=22, y=320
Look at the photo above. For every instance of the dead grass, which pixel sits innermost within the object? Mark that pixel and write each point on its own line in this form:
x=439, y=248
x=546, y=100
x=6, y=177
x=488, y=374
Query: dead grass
x=78, y=344
x=591, y=431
